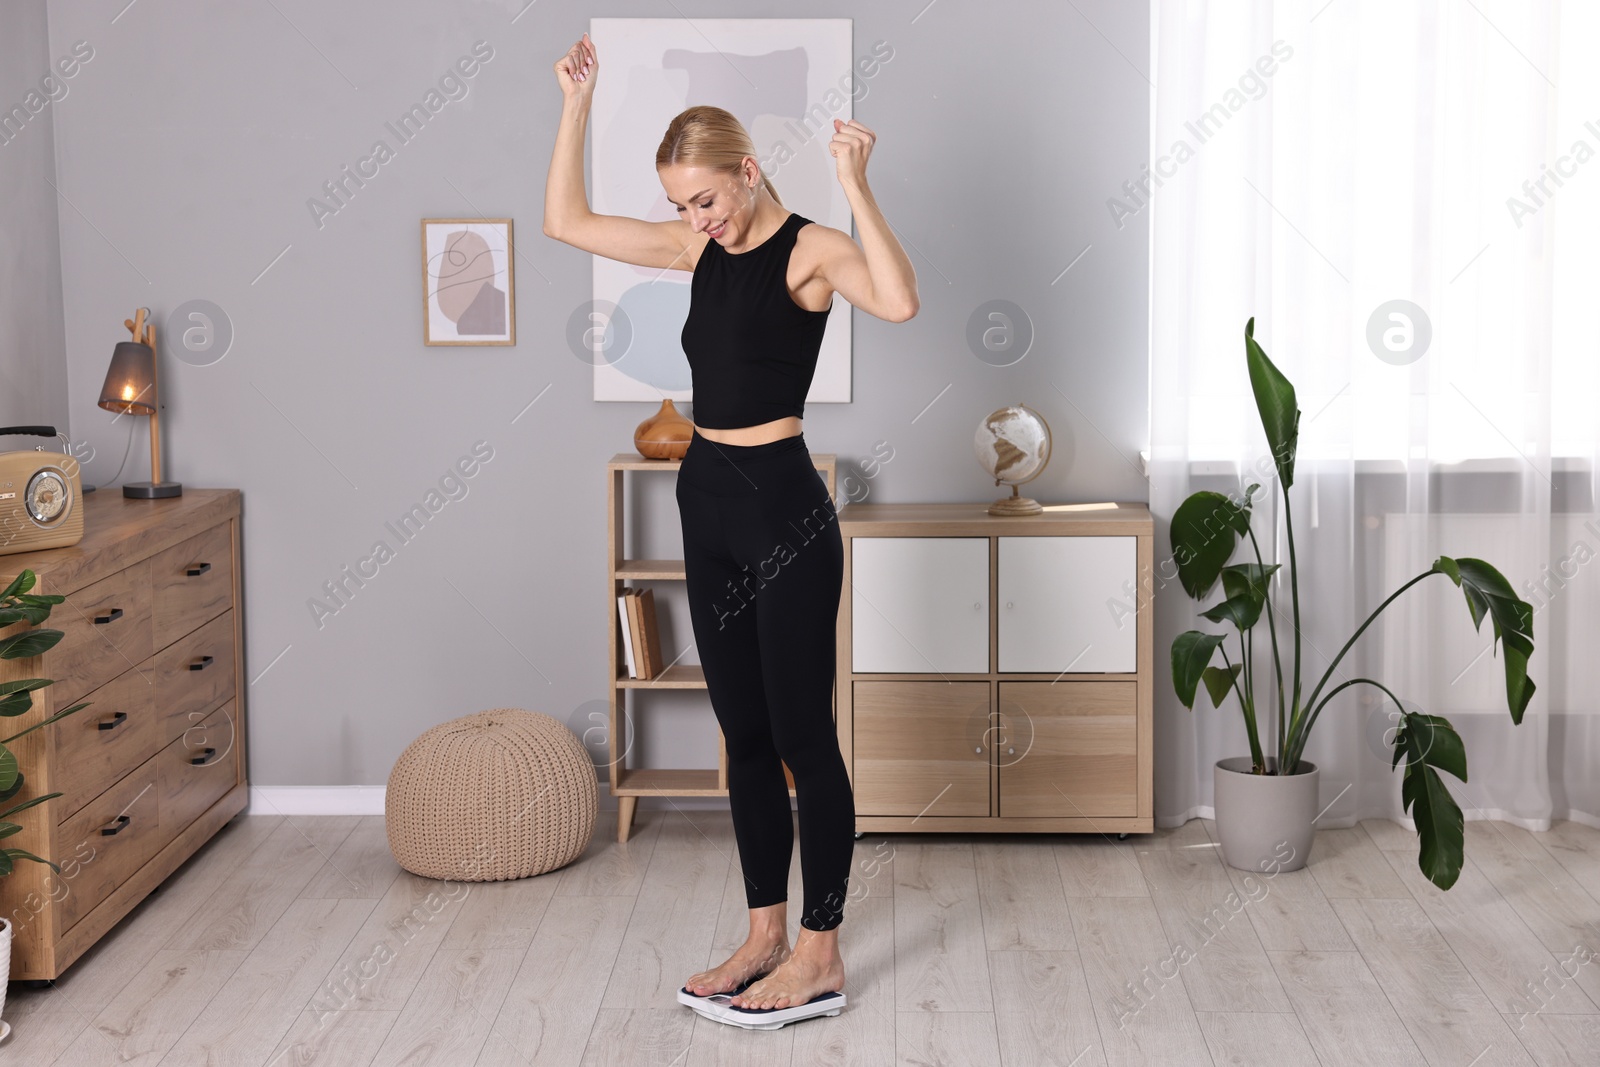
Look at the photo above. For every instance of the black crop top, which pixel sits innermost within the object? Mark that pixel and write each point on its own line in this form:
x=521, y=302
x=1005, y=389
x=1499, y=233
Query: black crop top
x=752, y=350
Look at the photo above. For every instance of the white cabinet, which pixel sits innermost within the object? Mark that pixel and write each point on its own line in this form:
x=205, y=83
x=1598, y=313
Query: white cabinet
x=1056, y=600
x=919, y=604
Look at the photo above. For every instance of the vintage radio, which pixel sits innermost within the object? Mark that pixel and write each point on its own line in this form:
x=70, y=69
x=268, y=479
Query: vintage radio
x=41, y=495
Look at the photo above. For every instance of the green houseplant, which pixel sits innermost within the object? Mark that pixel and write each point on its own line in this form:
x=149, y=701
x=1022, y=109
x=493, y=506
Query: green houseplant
x=16, y=698
x=1206, y=530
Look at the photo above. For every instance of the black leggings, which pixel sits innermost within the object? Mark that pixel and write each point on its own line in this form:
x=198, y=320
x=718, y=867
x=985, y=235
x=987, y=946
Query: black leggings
x=764, y=564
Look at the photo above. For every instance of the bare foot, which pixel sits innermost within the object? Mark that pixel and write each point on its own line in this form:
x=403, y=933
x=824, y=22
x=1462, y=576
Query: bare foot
x=813, y=968
x=756, y=956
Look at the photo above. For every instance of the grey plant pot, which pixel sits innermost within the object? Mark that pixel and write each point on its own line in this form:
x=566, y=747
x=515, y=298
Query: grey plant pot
x=1265, y=821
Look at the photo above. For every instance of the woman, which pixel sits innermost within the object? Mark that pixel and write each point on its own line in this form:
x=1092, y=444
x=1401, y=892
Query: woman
x=763, y=557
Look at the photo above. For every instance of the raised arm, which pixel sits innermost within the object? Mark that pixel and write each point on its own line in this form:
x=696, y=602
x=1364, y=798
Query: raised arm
x=877, y=275
x=567, y=217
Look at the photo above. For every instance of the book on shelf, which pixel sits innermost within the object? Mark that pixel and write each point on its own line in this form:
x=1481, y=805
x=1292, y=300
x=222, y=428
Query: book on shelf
x=651, y=634
x=641, y=635
x=640, y=665
x=627, y=633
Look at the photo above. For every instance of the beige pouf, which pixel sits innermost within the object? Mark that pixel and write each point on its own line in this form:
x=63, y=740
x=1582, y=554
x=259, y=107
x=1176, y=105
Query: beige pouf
x=501, y=794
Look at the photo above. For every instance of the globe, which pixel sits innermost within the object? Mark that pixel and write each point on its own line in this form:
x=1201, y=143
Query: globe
x=1013, y=446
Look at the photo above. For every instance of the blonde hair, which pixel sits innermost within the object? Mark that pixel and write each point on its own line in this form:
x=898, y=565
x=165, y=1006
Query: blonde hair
x=710, y=137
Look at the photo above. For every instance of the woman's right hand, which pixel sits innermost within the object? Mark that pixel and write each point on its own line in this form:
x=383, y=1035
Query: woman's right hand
x=576, y=70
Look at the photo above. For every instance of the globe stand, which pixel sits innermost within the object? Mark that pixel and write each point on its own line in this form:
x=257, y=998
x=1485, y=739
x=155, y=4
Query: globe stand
x=1015, y=505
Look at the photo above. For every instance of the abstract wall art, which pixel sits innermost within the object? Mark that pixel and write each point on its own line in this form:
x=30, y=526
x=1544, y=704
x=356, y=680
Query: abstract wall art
x=467, y=292
x=785, y=80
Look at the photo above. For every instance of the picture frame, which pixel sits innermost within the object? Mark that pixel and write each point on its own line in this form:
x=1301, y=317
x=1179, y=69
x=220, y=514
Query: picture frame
x=468, y=282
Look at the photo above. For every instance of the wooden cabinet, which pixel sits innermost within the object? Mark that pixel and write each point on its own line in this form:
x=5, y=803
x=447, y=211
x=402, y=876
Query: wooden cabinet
x=994, y=673
x=922, y=748
x=1055, y=604
x=1068, y=750
x=903, y=622
x=156, y=764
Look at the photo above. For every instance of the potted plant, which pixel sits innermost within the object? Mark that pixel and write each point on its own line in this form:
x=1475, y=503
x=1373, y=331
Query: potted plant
x=16, y=698
x=1261, y=800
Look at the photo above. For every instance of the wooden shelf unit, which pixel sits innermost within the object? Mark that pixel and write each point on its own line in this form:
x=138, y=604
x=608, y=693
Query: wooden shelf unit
x=628, y=784
x=995, y=673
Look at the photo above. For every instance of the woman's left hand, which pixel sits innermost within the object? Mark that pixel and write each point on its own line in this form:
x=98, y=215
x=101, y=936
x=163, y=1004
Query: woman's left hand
x=850, y=146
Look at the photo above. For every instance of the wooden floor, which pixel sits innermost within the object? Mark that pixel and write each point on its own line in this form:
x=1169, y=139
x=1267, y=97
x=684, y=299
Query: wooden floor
x=298, y=941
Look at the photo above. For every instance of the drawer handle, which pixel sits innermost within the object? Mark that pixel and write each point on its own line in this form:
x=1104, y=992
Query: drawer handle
x=117, y=720
x=205, y=661
x=101, y=620
x=121, y=823
x=204, y=758
x=198, y=569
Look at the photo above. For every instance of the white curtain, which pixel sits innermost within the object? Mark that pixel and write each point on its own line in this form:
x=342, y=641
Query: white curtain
x=1313, y=163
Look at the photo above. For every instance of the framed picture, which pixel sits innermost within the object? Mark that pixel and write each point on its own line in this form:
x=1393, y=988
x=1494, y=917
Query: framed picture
x=782, y=79
x=467, y=293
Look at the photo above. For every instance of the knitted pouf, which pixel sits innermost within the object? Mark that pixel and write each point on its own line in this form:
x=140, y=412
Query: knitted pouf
x=501, y=794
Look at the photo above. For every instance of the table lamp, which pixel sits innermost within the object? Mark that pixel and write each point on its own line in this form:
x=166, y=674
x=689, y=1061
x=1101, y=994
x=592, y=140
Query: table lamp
x=130, y=389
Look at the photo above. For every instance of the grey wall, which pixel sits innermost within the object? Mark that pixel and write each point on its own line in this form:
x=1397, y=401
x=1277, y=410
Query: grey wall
x=191, y=144
x=33, y=354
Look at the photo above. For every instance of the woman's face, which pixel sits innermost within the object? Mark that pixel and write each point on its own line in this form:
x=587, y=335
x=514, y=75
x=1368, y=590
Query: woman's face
x=709, y=201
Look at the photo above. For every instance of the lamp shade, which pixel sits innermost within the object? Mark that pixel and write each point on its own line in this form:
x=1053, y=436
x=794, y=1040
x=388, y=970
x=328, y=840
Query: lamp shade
x=130, y=387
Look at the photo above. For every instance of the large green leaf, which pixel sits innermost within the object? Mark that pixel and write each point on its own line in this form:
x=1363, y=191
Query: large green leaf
x=1280, y=417
x=9, y=828
x=1488, y=593
x=9, y=771
x=1242, y=610
x=1219, y=682
x=1440, y=829
x=29, y=643
x=1429, y=741
x=1205, y=529
x=15, y=698
x=1191, y=653
x=1432, y=740
x=1251, y=578
x=20, y=584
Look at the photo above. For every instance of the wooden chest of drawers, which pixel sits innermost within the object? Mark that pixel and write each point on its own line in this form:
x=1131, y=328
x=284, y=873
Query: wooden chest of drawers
x=156, y=764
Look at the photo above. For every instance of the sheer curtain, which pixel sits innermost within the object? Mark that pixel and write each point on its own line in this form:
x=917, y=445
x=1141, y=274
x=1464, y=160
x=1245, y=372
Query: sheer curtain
x=1406, y=198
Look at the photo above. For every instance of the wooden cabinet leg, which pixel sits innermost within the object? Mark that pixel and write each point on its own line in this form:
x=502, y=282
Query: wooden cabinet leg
x=625, y=806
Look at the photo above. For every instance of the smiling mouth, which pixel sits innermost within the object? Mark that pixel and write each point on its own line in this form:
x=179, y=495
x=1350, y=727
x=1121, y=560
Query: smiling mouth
x=717, y=231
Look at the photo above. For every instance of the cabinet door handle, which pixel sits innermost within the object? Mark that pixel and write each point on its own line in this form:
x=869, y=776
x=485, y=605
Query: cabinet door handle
x=204, y=758
x=198, y=569
x=119, y=824
x=205, y=661
x=1008, y=603
x=116, y=720
x=101, y=620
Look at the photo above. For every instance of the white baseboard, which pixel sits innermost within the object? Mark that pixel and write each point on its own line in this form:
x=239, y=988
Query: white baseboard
x=316, y=799
x=368, y=800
